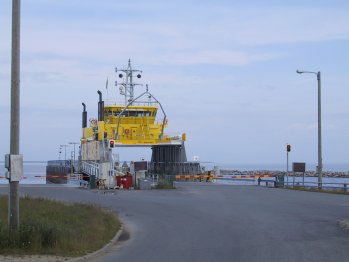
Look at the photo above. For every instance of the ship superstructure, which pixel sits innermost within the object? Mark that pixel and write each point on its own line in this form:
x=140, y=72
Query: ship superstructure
x=133, y=123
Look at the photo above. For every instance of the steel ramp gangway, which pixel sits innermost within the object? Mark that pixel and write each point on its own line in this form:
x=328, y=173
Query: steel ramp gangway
x=104, y=173
x=90, y=169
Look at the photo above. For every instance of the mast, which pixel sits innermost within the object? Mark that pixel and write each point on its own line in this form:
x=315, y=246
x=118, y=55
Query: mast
x=127, y=87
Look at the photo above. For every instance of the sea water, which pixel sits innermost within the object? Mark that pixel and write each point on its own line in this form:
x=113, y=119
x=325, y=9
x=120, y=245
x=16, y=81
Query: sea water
x=33, y=173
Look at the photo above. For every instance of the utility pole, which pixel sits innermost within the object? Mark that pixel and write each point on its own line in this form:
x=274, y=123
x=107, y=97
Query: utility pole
x=65, y=154
x=74, y=143
x=60, y=151
x=15, y=121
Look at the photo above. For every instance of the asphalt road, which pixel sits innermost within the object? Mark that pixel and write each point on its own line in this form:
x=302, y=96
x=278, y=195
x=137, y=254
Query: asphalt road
x=205, y=222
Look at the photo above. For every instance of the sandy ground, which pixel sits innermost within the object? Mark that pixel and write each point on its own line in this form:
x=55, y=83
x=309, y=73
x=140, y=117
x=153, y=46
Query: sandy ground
x=34, y=258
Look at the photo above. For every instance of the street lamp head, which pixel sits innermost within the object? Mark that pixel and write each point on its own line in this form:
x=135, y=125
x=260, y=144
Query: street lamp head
x=299, y=72
x=306, y=72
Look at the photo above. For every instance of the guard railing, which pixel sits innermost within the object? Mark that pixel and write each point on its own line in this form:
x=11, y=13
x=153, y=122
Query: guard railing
x=90, y=169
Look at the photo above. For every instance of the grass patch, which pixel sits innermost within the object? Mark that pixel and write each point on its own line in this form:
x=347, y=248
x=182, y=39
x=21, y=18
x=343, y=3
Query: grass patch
x=314, y=189
x=55, y=228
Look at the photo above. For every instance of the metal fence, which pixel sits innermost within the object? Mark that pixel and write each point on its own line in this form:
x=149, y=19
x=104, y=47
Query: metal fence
x=341, y=186
x=327, y=185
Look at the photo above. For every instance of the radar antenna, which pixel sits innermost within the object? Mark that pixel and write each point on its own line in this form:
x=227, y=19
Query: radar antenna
x=127, y=87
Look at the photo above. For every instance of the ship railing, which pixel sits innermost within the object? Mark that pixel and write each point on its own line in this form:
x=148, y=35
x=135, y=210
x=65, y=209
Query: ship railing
x=90, y=168
x=174, y=136
x=112, y=102
x=160, y=121
x=145, y=103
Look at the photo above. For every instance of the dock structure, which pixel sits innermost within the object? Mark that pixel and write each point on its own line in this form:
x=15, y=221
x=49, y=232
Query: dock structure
x=172, y=160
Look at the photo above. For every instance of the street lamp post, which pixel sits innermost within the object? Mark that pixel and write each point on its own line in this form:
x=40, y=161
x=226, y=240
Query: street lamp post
x=74, y=143
x=65, y=154
x=319, y=168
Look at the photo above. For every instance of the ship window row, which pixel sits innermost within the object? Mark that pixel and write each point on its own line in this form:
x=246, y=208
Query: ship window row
x=130, y=113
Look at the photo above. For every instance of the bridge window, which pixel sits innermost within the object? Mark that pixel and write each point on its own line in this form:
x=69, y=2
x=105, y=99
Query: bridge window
x=132, y=113
x=129, y=113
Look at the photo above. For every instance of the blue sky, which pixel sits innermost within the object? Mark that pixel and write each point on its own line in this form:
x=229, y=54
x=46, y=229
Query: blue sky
x=225, y=72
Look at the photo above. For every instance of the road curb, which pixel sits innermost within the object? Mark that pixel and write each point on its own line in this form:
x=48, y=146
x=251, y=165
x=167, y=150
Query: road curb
x=99, y=251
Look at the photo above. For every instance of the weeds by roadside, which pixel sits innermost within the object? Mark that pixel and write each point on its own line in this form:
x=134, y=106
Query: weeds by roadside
x=313, y=189
x=55, y=228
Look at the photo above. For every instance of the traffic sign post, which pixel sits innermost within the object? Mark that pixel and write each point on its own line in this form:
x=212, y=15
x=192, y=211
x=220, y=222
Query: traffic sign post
x=288, y=149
